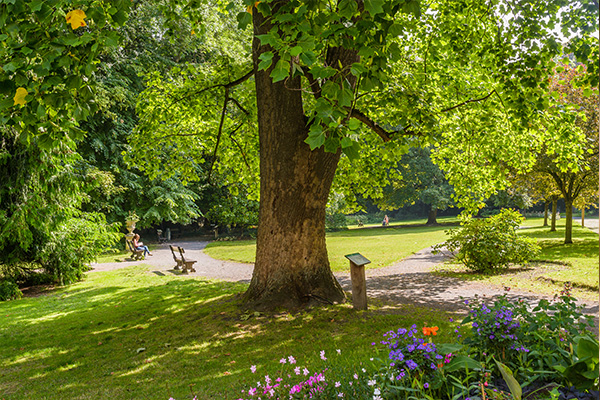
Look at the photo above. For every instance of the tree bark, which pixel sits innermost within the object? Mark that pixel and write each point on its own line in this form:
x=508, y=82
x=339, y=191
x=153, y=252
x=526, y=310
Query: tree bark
x=583, y=216
x=553, y=223
x=545, y=212
x=569, y=221
x=432, y=217
x=291, y=268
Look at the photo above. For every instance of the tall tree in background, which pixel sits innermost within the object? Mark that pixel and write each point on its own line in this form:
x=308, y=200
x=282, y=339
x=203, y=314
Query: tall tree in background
x=420, y=180
x=581, y=178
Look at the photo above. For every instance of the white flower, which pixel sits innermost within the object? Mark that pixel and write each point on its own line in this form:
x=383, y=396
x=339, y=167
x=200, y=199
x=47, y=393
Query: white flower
x=376, y=392
x=292, y=360
x=371, y=382
x=364, y=370
x=339, y=351
x=338, y=384
x=297, y=370
x=355, y=376
x=340, y=394
x=305, y=372
x=323, y=355
x=272, y=392
x=377, y=398
x=253, y=368
x=282, y=361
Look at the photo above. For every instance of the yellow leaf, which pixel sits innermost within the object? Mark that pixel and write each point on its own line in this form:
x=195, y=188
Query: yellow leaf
x=20, y=96
x=76, y=19
x=193, y=32
x=249, y=9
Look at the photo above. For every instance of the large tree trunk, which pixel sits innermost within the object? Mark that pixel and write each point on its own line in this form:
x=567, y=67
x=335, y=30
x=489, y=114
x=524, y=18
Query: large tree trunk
x=569, y=221
x=432, y=217
x=553, y=223
x=292, y=267
x=545, y=212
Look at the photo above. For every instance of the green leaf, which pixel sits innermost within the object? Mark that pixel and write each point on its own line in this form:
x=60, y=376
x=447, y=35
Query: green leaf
x=353, y=124
x=345, y=97
x=374, y=6
x=513, y=385
x=244, y=19
x=352, y=152
x=295, y=51
x=308, y=57
x=266, y=59
x=281, y=71
x=332, y=144
x=268, y=38
x=357, y=69
x=412, y=7
x=346, y=142
x=587, y=92
x=461, y=362
x=315, y=141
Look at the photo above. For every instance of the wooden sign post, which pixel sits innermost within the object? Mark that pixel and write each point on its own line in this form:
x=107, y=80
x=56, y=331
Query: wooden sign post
x=359, y=282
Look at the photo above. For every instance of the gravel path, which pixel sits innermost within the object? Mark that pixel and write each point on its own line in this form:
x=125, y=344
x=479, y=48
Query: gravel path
x=405, y=282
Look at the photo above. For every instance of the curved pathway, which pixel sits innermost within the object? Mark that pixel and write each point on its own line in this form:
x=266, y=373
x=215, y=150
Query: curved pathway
x=405, y=282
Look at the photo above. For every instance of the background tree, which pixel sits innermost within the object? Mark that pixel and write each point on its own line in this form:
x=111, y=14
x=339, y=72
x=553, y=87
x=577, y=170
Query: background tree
x=419, y=180
x=581, y=175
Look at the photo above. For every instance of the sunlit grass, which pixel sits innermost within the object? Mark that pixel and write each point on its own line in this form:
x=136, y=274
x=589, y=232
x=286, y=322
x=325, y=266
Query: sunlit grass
x=383, y=246
x=557, y=263
x=130, y=334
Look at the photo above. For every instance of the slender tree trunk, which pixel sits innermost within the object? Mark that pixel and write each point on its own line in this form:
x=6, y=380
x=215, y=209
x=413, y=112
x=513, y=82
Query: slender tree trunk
x=553, y=223
x=583, y=216
x=569, y=221
x=292, y=268
x=545, y=212
x=432, y=218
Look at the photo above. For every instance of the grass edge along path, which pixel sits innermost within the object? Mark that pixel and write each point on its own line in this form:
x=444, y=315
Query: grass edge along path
x=383, y=246
x=131, y=334
x=577, y=263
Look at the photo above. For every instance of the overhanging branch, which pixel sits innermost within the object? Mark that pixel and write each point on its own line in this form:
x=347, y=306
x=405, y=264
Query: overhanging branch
x=378, y=129
x=470, y=101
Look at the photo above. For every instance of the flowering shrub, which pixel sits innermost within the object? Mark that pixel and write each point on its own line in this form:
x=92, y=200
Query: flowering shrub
x=328, y=381
x=413, y=357
x=535, y=342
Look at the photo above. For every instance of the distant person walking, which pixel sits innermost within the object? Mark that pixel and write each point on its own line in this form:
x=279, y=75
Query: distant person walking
x=140, y=245
x=386, y=221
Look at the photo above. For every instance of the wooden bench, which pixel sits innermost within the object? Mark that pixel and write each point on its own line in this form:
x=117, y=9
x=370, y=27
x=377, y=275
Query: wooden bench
x=135, y=254
x=186, y=265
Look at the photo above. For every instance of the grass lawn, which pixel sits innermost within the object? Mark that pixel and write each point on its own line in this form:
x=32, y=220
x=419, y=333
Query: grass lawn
x=383, y=246
x=557, y=263
x=131, y=334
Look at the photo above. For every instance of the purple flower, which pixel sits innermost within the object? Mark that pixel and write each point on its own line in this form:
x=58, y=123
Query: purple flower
x=426, y=385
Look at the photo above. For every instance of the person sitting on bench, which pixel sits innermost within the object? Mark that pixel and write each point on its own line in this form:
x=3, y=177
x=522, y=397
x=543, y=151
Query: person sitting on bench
x=140, y=245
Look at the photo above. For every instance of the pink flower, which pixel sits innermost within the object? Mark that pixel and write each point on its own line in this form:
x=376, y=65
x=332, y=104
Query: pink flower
x=282, y=361
x=292, y=360
x=253, y=368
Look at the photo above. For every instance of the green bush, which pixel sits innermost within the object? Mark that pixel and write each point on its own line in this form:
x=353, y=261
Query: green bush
x=74, y=244
x=9, y=291
x=487, y=245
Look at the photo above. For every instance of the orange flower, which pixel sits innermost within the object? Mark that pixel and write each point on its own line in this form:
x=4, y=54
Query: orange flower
x=430, y=331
